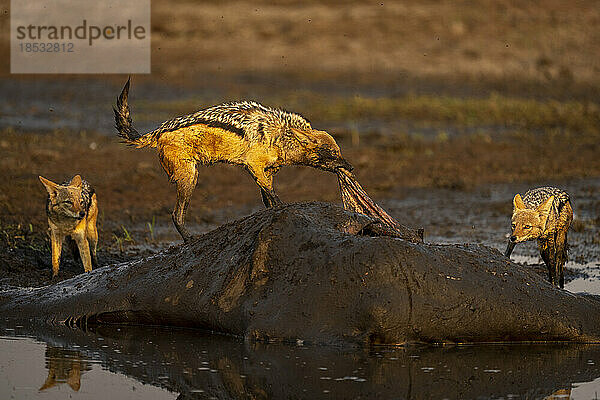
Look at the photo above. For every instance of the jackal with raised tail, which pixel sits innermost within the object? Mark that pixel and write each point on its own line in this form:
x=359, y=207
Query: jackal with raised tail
x=72, y=210
x=544, y=214
x=260, y=139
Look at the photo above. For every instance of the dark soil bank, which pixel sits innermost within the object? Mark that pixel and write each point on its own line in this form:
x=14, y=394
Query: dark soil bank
x=301, y=272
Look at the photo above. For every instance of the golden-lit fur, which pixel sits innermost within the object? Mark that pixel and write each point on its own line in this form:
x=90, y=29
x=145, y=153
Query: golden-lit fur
x=548, y=223
x=72, y=210
x=527, y=223
x=258, y=138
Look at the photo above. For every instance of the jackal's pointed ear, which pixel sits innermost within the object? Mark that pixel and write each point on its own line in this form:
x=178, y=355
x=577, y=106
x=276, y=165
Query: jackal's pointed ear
x=49, y=185
x=518, y=202
x=545, y=207
x=76, y=181
x=325, y=138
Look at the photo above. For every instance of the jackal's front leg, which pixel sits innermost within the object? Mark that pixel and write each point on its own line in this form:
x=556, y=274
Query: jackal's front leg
x=509, y=248
x=74, y=249
x=264, y=180
x=547, y=251
x=84, y=250
x=91, y=231
x=270, y=198
x=56, y=241
x=561, y=247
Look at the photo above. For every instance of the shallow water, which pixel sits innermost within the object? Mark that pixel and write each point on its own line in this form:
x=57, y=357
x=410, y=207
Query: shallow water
x=587, y=275
x=56, y=362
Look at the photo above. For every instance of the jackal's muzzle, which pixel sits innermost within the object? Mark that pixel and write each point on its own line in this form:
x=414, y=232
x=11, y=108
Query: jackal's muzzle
x=329, y=160
x=342, y=163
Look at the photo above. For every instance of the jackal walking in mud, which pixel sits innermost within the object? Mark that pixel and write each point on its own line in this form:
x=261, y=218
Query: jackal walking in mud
x=72, y=211
x=259, y=138
x=544, y=214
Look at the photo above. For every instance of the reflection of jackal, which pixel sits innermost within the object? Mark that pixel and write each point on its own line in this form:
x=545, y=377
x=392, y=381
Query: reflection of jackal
x=72, y=210
x=248, y=134
x=560, y=394
x=64, y=366
x=544, y=214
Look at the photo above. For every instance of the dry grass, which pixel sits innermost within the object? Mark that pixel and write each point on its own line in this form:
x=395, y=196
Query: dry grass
x=550, y=41
x=541, y=41
x=494, y=110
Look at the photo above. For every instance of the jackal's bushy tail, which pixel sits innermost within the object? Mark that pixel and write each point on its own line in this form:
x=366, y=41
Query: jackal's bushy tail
x=124, y=124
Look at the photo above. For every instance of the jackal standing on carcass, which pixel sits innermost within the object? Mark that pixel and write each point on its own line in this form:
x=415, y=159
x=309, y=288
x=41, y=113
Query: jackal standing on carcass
x=259, y=138
x=544, y=214
x=72, y=210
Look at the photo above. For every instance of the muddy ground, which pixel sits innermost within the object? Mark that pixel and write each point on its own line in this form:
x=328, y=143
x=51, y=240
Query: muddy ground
x=445, y=109
x=459, y=189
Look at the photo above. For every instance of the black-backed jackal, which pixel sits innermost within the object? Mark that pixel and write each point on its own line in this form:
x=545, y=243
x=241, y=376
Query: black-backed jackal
x=544, y=214
x=259, y=138
x=72, y=210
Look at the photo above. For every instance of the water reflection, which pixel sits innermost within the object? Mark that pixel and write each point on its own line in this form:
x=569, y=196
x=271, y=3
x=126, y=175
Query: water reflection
x=560, y=394
x=64, y=366
x=193, y=364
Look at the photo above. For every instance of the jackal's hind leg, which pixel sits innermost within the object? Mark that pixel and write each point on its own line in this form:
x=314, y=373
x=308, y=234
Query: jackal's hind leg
x=186, y=179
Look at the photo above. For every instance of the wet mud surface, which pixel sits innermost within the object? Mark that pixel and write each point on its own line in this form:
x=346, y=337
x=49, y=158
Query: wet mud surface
x=307, y=272
x=455, y=181
x=452, y=204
